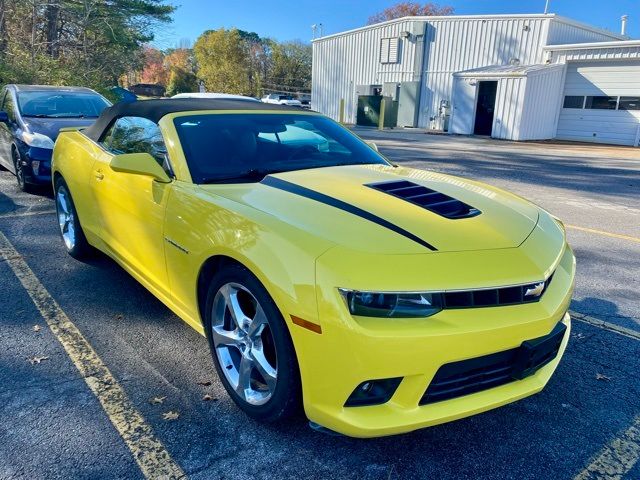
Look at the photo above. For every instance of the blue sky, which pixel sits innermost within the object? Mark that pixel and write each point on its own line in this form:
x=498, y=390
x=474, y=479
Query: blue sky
x=292, y=19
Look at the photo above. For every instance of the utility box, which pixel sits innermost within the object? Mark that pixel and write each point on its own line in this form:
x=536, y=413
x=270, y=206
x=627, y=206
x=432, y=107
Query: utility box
x=408, y=104
x=368, y=114
x=391, y=89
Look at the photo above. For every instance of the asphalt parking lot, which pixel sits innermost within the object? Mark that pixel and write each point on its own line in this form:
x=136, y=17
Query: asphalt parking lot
x=585, y=424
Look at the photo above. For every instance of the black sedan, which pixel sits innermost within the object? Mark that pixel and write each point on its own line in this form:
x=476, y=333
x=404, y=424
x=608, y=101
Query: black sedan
x=31, y=117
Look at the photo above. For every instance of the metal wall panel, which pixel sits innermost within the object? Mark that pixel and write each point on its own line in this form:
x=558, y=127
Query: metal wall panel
x=618, y=52
x=509, y=108
x=562, y=32
x=344, y=61
x=542, y=103
x=456, y=45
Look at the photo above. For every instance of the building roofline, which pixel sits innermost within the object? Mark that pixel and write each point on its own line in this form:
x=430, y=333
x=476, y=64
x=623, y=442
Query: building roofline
x=559, y=18
x=592, y=45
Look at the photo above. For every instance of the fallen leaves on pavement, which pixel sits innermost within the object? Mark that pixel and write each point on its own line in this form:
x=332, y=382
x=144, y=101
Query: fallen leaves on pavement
x=204, y=384
x=36, y=328
x=209, y=398
x=170, y=415
x=157, y=400
x=37, y=360
x=600, y=376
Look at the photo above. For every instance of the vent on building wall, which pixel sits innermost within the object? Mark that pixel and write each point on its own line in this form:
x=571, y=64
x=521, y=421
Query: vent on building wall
x=389, y=50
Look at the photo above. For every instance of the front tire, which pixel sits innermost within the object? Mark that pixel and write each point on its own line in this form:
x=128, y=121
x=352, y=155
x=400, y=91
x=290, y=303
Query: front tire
x=23, y=186
x=251, y=347
x=70, y=229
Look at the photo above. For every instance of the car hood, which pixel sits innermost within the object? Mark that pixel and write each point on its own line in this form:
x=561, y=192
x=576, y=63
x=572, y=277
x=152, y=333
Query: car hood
x=339, y=204
x=51, y=126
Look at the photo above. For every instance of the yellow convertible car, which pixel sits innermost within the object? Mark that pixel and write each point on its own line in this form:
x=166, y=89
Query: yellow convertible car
x=380, y=299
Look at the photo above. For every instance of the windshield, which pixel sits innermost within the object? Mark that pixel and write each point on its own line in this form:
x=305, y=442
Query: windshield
x=52, y=104
x=245, y=147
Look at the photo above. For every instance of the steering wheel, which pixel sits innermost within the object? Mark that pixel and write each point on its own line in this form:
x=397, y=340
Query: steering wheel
x=304, y=149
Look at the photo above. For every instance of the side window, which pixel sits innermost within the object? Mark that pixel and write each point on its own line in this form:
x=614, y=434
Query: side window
x=8, y=106
x=136, y=135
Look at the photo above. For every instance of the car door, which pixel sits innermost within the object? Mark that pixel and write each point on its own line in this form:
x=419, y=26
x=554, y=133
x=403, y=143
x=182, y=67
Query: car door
x=5, y=133
x=132, y=207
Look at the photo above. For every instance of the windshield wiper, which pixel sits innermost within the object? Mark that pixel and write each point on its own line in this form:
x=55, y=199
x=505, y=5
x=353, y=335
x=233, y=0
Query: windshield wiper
x=254, y=175
x=38, y=115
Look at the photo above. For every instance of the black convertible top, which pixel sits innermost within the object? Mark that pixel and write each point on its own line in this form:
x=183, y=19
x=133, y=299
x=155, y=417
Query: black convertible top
x=156, y=109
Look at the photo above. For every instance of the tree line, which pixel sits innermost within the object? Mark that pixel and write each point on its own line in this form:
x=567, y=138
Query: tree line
x=103, y=43
x=231, y=61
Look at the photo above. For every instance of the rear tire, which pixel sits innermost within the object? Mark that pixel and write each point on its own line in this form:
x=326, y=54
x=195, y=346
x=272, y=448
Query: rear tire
x=251, y=346
x=70, y=229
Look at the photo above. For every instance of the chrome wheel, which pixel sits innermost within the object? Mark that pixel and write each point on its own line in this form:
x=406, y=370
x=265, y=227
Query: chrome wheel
x=66, y=219
x=244, y=344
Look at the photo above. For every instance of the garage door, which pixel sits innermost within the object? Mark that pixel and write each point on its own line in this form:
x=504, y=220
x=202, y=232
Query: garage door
x=601, y=103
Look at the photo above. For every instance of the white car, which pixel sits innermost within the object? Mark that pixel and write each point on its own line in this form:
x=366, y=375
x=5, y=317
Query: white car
x=215, y=95
x=280, y=99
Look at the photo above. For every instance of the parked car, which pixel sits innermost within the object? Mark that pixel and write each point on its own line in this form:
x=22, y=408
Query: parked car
x=210, y=95
x=305, y=101
x=380, y=298
x=30, y=118
x=279, y=99
x=148, y=89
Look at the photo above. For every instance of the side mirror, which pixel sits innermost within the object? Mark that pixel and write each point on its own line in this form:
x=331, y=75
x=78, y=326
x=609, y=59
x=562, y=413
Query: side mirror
x=373, y=145
x=4, y=117
x=139, y=164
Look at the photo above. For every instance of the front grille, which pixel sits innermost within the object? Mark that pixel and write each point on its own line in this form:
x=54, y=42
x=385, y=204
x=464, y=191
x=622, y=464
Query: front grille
x=495, y=297
x=465, y=377
x=436, y=202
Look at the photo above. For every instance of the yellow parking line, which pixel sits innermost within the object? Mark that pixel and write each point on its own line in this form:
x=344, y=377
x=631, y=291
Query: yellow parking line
x=617, y=458
x=602, y=232
x=152, y=457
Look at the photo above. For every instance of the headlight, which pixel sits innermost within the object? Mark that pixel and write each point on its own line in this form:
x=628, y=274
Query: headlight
x=395, y=305
x=37, y=140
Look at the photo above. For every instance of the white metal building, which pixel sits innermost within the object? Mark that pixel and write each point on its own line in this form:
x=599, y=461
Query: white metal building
x=518, y=77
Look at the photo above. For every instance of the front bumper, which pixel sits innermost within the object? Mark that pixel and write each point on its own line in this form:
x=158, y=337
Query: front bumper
x=352, y=350
x=36, y=164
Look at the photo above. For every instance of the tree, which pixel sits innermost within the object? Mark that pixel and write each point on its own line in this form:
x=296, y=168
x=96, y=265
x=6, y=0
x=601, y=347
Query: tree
x=290, y=66
x=154, y=70
x=223, y=59
x=410, y=9
x=181, y=81
x=88, y=43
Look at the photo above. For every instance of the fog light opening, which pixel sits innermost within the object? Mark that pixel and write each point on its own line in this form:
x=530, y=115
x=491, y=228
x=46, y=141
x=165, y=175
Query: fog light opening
x=35, y=166
x=373, y=392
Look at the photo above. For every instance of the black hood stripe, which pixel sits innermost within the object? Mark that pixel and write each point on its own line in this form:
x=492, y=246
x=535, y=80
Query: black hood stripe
x=334, y=202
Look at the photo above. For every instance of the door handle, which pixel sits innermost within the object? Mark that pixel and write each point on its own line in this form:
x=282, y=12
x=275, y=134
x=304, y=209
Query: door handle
x=99, y=175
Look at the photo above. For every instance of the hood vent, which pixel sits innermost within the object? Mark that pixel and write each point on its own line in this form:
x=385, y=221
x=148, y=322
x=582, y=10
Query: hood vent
x=435, y=202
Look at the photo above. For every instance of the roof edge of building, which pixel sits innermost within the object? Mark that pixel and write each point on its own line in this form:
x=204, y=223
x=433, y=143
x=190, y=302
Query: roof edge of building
x=436, y=18
x=592, y=45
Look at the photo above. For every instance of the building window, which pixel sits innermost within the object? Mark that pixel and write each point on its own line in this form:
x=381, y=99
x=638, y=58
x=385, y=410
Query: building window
x=389, y=50
x=601, y=103
x=629, y=103
x=573, y=101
